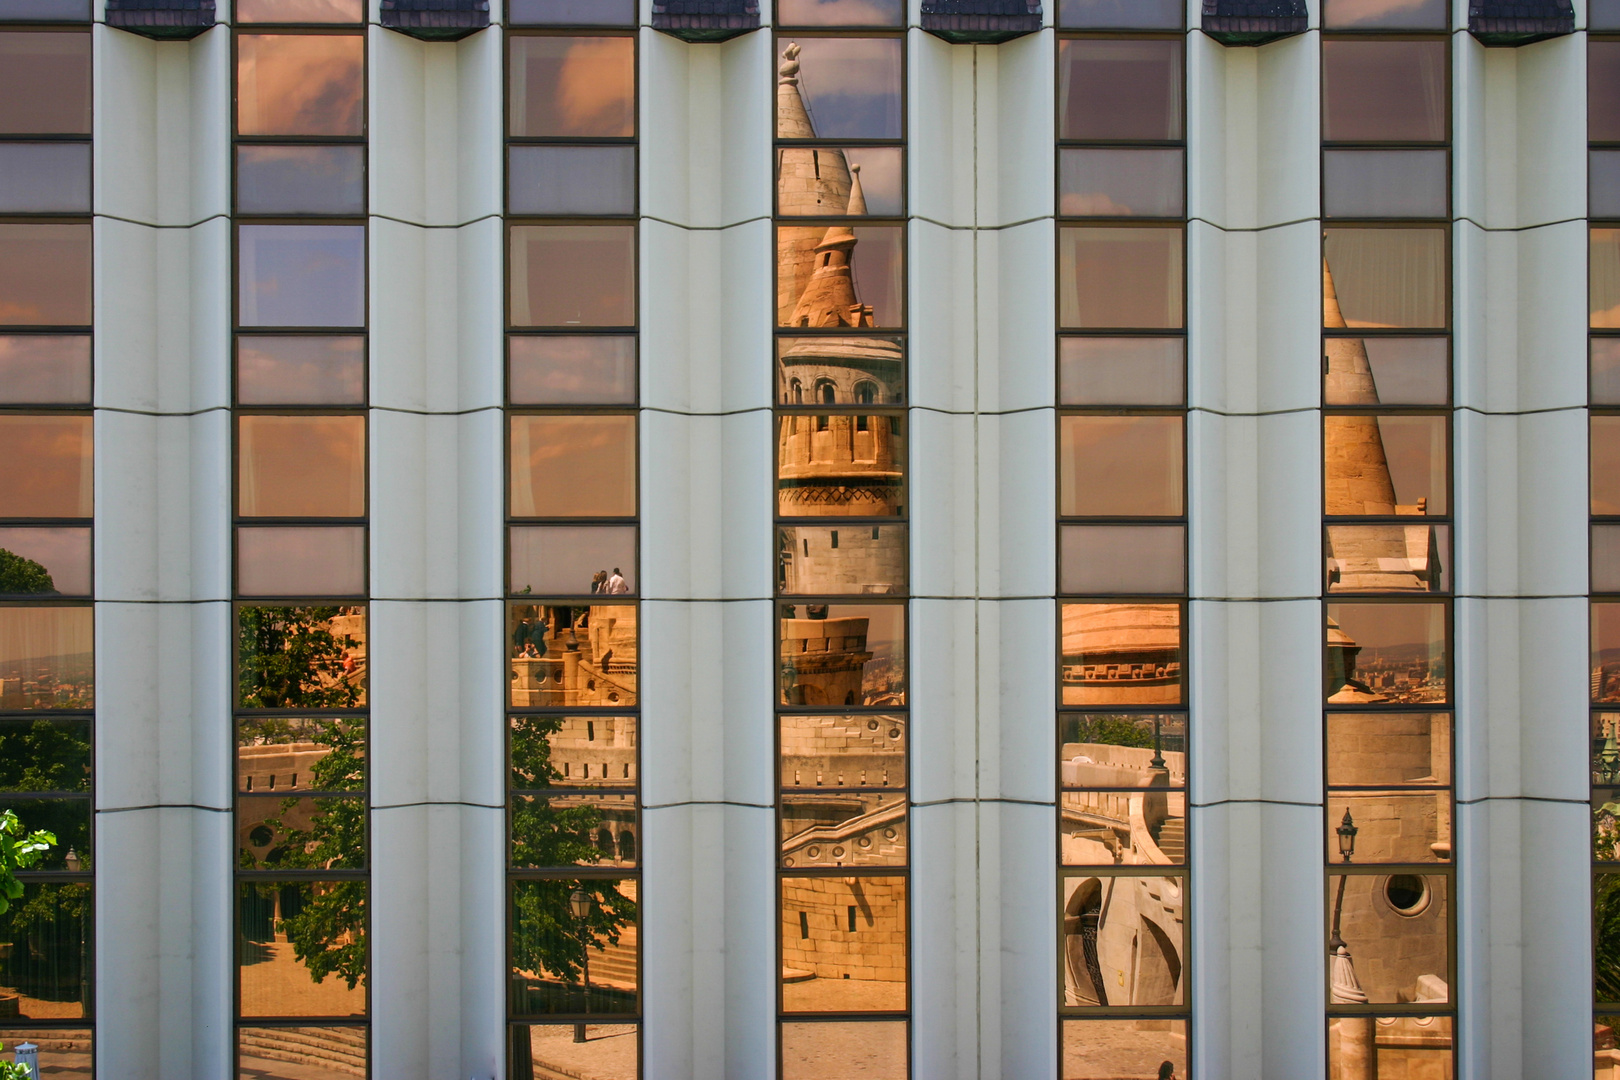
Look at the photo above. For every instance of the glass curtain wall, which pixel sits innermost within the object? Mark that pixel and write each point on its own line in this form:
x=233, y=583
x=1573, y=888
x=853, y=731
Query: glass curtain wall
x=842, y=559
x=300, y=510
x=573, y=732
x=47, y=647
x=1603, y=119
x=1122, y=731
x=1387, y=842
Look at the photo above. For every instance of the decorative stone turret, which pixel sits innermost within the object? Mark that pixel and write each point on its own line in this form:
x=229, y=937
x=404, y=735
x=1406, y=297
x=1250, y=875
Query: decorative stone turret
x=1121, y=654
x=823, y=660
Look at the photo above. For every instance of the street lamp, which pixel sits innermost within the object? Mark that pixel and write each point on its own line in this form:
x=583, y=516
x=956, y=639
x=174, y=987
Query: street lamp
x=580, y=905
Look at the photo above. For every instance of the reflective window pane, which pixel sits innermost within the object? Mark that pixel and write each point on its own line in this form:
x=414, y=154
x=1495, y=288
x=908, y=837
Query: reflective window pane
x=301, y=466
x=572, y=656
x=300, y=84
x=1104, y=1049
x=1120, y=183
x=66, y=819
x=1603, y=183
x=1606, y=927
x=548, y=752
x=843, y=944
x=1605, y=470
x=1384, y=183
x=45, y=369
x=47, y=10
x=555, y=369
x=1121, y=278
x=44, y=83
x=1386, y=654
x=1605, y=664
x=1605, y=824
x=288, y=831
x=1605, y=368
x=45, y=275
x=827, y=278
x=300, y=369
x=301, y=657
x=1122, y=371
x=301, y=275
x=842, y=654
x=1123, y=654
x=1097, y=825
x=566, y=828
x=1121, y=14
x=1605, y=558
x=573, y=12
x=1392, y=826
x=1604, y=257
x=44, y=753
x=818, y=181
x=47, y=658
x=1386, y=15
x=1387, y=371
x=1384, y=91
x=840, y=88
x=1389, y=750
x=571, y=560
x=1121, y=466
x=607, y=1052
x=325, y=922
x=1115, y=89
x=1124, y=941
x=298, y=755
x=301, y=561
x=1122, y=751
x=1397, y=928
x=43, y=561
x=833, y=829
x=1603, y=15
x=1388, y=558
x=300, y=180
x=44, y=178
x=573, y=466
x=572, y=86
x=51, y=465
x=1122, y=559
x=1410, y=1044
x=1385, y=464
x=573, y=275
x=872, y=1050
x=45, y=967
x=1603, y=91
x=548, y=967
x=840, y=12
x=837, y=465
x=831, y=752
x=841, y=370
x=1382, y=278
x=548, y=180
x=815, y=560
x=300, y=11
x=261, y=1053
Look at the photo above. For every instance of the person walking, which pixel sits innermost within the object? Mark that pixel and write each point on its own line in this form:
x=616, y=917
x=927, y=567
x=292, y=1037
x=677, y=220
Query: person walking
x=616, y=584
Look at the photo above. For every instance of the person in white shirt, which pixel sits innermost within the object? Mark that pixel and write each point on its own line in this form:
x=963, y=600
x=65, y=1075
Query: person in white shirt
x=616, y=583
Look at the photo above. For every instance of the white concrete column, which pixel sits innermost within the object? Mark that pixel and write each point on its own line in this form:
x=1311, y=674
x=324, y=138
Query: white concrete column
x=438, y=720
x=1520, y=467
x=709, y=972
x=1255, y=498
x=162, y=538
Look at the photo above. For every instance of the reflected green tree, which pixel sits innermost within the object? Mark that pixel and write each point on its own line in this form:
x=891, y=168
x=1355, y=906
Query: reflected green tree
x=544, y=834
x=328, y=928
x=1606, y=931
x=1111, y=730
x=289, y=658
x=45, y=754
x=20, y=576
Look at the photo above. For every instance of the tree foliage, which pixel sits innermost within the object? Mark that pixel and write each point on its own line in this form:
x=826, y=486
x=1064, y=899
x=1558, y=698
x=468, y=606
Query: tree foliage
x=18, y=851
x=23, y=576
x=1606, y=926
x=1112, y=730
x=289, y=658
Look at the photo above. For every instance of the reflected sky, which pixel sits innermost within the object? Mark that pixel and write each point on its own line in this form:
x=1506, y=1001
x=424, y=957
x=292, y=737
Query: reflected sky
x=1120, y=183
x=1388, y=277
x=1120, y=466
x=302, y=275
x=1117, y=89
x=1384, y=183
x=299, y=11
x=556, y=369
x=568, y=275
x=562, y=560
x=45, y=275
x=44, y=83
x=300, y=369
x=39, y=369
x=300, y=84
x=1384, y=91
x=546, y=180
x=572, y=86
x=851, y=86
x=35, y=633
x=300, y=179
x=1605, y=470
x=1122, y=371
x=573, y=466
x=40, y=178
x=1120, y=278
x=50, y=466
x=839, y=12
x=301, y=466
x=1386, y=14
x=64, y=553
x=301, y=561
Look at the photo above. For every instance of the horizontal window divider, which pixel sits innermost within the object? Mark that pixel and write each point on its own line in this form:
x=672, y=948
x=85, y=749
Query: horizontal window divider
x=842, y=789
x=576, y=710
x=625, y=331
x=1104, y=222
x=1252, y=228
x=1121, y=144
x=893, y=30
x=242, y=713
x=631, y=790
x=80, y=329
x=889, y=1016
x=1170, y=788
x=247, y=876
x=1125, y=1012
x=356, y=220
x=1392, y=1009
x=64, y=877
x=65, y=796
x=581, y=873
x=27, y=137
x=300, y=1021
x=320, y=331
x=1383, y=869
x=268, y=794
x=902, y=870
x=46, y=523
x=1125, y=870
x=841, y=710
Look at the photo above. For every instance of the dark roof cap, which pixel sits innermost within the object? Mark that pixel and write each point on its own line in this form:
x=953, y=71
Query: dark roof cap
x=436, y=20
x=980, y=22
x=1519, y=22
x=705, y=20
x=165, y=20
x=1254, y=22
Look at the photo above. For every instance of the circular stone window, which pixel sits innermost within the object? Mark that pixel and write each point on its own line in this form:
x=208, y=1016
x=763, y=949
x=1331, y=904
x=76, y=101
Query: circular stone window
x=1408, y=894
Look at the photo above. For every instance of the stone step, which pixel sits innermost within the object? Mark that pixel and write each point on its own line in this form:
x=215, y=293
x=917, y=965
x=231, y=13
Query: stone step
x=1173, y=839
x=343, y=1050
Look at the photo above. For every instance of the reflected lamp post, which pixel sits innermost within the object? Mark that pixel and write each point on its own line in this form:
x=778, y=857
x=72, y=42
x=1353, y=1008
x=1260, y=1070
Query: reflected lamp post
x=580, y=905
x=1357, y=1049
